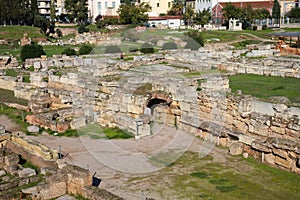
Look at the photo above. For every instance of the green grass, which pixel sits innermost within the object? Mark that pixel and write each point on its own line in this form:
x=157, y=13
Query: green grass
x=116, y=133
x=239, y=179
x=11, y=72
x=17, y=32
x=243, y=44
x=9, y=97
x=266, y=86
x=17, y=116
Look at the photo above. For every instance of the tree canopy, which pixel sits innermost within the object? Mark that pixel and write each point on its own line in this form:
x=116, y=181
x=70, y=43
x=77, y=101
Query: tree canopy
x=18, y=12
x=77, y=9
x=130, y=14
x=276, y=10
x=202, y=17
x=176, y=9
x=294, y=13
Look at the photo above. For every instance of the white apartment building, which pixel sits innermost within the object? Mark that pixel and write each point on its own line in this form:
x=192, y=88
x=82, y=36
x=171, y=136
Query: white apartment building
x=103, y=7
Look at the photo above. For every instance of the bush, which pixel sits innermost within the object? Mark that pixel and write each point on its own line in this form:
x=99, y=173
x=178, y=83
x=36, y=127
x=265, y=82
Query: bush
x=59, y=33
x=32, y=51
x=82, y=28
x=264, y=27
x=69, y=51
x=147, y=48
x=254, y=28
x=196, y=36
x=133, y=49
x=107, y=21
x=192, y=44
x=112, y=49
x=85, y=49
x=169, y=45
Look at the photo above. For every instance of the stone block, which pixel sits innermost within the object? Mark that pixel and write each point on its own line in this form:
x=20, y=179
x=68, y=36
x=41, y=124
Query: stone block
x=78, y=123
x=269, y=158
x=11, y=159
x=26, y=172
x=236, y=148
x=282, y=162
x=281, y=153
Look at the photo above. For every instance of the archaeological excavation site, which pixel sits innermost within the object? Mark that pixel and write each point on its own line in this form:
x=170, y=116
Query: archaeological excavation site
x=214, y=123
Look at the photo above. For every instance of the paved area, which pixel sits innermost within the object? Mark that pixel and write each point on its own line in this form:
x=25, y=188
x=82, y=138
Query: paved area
x=116, y=161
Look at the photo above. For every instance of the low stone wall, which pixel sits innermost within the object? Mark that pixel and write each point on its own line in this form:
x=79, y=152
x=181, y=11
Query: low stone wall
x=8, y=83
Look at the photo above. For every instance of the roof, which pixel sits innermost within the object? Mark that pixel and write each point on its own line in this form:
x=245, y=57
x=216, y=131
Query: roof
x=165, y=17
x=253, y=4
x=286, y=34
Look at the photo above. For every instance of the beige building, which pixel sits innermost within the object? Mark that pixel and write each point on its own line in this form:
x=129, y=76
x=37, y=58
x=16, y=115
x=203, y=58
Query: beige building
x=44, y=7
x=158, y=6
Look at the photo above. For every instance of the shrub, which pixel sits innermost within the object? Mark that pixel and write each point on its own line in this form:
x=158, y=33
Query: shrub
x=107, y=21
x=112, y=49
x=254, y=28
x=82, y=28
x=147, y=48
x=133, y=49
x=85, y=49
x=264, y=27
x=59, y=33
x=196, y=36
x=169, y=45
x=32, y=51
x=192, y=44
x=69, y=51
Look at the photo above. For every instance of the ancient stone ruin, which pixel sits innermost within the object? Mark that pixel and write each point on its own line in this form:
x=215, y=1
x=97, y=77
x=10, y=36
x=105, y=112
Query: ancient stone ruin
x=70, y=92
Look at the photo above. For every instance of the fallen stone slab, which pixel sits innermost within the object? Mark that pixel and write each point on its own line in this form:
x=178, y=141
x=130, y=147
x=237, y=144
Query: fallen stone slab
x=26, y=172
x=33, y=129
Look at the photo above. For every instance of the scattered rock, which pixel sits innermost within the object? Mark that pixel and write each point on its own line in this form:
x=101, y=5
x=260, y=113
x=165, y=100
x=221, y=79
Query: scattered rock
x=5, y=178
x=280, y=99
x=2, y=129
x=33, y=129
x=2, y=172
x=245, y=155
x=236, y=148
x=26, y=172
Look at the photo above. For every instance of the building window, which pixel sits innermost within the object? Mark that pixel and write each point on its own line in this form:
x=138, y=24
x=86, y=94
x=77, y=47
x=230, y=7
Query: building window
x=99, y=8
x=157, y=5
x=114, y=4
x=105, y=4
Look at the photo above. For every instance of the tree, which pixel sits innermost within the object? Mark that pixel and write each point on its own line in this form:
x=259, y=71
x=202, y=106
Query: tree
x=276, y=10
x=32, y=51
x=230, y=11
x=69, y=51
x=85, y=49
x=176, y=9
x=52, y=12
x=202, y=17
x=294, y=13
x=77, y=10
x=147, y=48
x=188, y=15
x=130, y=14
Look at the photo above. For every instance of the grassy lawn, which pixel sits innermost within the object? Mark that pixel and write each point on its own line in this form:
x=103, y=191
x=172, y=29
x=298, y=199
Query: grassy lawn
x=191, y=177
x=17, y=32
x=94, y=131
x=266, y=86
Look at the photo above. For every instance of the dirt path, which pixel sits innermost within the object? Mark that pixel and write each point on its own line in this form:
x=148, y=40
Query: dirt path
x=9, y=124
x=110, y=159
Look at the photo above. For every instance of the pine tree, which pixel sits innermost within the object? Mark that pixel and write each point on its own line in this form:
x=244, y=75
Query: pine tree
x=276, y=10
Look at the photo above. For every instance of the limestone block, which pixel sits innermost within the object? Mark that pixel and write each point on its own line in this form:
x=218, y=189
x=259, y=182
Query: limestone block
x=33, y=129
x=283, y=162
x=78, y=123
x=185, y=106
x=269, y=158
x=281, y=153
x=246, y=139
x=236, y=148
x=2, y=172
x=261, y=146
x=263, y=108
x=11, y=159
x=26, y=172
x=278, y=130
x=2, y=129
x=66, y=197
x=134, y=109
